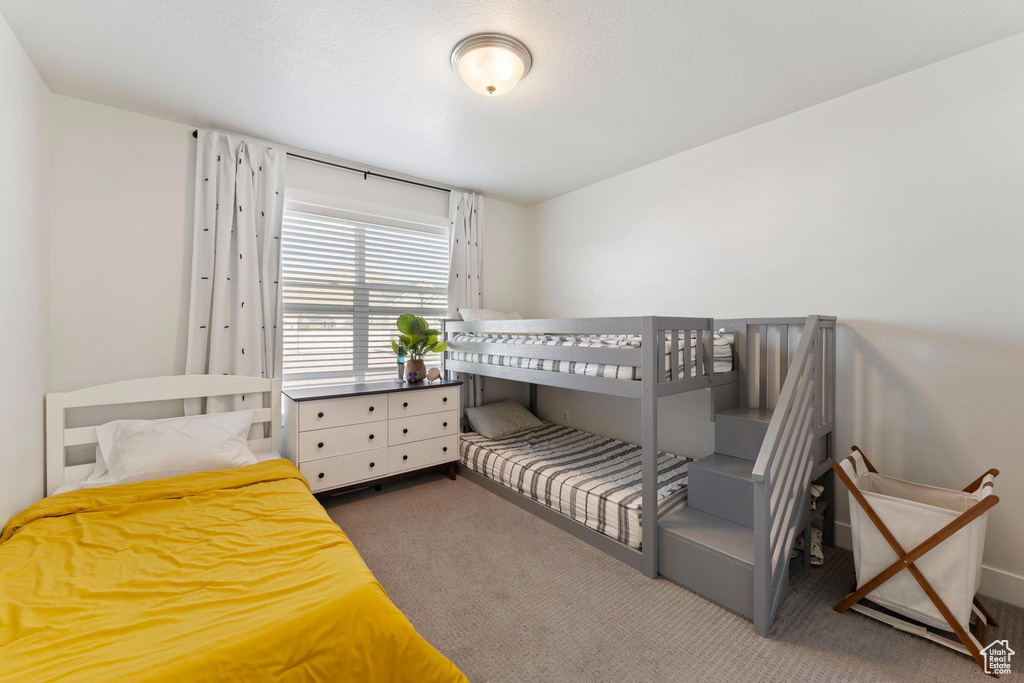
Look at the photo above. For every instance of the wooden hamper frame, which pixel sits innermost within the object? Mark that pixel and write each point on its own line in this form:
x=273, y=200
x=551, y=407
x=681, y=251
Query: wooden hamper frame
x=905, y=560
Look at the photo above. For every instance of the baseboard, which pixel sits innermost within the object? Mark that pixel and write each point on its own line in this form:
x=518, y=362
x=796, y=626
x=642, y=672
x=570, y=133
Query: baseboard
x=1002, y=585
x=996, y=583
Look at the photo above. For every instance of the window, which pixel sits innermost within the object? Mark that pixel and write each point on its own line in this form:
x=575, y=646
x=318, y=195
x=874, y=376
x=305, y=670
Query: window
x=347, y=275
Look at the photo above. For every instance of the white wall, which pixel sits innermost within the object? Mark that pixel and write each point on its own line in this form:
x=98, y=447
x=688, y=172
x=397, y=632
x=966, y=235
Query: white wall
x=506, y=276
x=25, y=138
x=899, y=208
x=122, y=241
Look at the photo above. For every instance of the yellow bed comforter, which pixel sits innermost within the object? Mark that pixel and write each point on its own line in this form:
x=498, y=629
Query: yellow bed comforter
x=231, y=575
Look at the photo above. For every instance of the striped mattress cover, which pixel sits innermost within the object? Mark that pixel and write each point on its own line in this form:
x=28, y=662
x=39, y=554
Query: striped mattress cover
x=592, y=479
x=722, y=348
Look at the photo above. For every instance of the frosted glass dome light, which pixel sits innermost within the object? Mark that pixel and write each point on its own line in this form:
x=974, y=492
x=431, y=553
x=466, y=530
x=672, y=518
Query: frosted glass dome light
x=491, y=63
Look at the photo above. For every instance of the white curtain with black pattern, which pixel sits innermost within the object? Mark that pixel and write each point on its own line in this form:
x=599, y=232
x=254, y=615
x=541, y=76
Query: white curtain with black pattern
x=236, y=264
x=465, y=285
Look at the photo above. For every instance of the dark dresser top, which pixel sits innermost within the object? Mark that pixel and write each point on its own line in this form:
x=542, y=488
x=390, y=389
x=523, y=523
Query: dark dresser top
x=344, y=390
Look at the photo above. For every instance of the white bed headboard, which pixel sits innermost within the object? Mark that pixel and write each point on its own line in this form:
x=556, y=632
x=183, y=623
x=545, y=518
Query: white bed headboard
x=58, y=438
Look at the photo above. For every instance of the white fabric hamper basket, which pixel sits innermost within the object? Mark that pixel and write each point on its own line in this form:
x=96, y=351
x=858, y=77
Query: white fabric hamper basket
x=914, y=512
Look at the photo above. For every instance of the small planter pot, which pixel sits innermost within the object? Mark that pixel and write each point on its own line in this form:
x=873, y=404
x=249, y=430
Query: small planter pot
x=415, y=371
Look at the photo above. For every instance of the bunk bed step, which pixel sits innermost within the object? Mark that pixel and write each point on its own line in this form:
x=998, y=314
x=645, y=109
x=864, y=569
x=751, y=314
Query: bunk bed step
x=739, y=432
x=710, y=556
x=722, y=485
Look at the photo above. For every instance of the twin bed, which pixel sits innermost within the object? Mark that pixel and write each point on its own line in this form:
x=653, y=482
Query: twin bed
x=233, y=574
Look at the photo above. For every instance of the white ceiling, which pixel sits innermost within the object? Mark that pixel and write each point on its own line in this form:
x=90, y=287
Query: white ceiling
x=615, y=84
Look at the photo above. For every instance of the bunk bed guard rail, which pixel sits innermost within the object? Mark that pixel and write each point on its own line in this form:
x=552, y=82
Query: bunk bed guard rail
x=532, y=362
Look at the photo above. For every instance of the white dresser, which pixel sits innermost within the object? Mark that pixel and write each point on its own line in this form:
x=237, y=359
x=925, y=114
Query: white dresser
x=352, y=436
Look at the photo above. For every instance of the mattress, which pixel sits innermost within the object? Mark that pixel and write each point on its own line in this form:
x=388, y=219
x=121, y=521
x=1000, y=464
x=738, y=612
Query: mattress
x=592, y=479
x=722, y=352
x=237, y=574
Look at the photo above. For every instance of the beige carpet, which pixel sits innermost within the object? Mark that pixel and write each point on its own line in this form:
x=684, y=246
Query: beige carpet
x=510, y=598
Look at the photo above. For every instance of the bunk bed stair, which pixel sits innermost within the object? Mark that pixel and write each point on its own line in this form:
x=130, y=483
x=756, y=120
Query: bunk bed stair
x=708, y=546
x=708, y=555
x=723, y=486
x=740, y=431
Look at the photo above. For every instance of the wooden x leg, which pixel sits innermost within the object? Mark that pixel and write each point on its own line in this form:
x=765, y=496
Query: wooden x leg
x=988, y=617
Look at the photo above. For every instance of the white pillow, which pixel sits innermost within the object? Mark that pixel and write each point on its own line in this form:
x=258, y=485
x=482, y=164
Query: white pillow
x=471, y=314
x=138, y=450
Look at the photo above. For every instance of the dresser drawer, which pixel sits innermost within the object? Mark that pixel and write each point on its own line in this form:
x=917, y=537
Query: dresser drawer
x=419, y=454
x=409, y=429
x=324, y=443
x=422, y=401
x=338, y=412
x=330, y=473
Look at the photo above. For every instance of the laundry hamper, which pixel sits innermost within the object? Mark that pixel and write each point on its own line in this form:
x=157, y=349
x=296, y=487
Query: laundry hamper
x=917, y=549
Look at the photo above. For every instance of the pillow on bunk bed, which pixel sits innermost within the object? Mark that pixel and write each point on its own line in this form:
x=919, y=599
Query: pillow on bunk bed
x=139, y=450
x=474, y=314
x=498, y=420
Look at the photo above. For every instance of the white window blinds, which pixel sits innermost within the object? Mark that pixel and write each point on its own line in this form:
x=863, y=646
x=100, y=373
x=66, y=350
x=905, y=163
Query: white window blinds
x=347, y=276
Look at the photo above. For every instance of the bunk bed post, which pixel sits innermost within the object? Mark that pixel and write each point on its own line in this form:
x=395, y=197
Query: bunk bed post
x=739, y=359
x=762, y=366
x=649, y=363
x=533, y=398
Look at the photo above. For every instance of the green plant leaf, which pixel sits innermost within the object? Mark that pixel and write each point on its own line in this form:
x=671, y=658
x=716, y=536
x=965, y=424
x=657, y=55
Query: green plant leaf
x=406, y=323
x=440, y=347
x=394, y=346
x=416, y=336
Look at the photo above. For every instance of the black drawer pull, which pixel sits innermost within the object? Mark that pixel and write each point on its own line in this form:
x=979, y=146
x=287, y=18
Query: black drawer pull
x=371, y=409
x=320, y=445
x=405, y=405
x=371, y=437
x=319, y=414
x=320, y=476
x=371, y=464
x=444, y=400
x=405, y=457
x=444, y=450
x=444, y=424
x=405, y=431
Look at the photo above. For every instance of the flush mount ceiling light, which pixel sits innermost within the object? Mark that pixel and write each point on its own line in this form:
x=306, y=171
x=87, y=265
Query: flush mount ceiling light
x=491, y=63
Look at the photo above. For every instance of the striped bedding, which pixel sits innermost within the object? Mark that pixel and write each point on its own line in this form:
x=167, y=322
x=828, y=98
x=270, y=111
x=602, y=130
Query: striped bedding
x=722, y=348
x=592, y=479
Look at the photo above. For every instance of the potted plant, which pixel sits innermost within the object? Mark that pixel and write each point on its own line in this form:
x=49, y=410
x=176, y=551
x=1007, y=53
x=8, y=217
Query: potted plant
x=417, y=340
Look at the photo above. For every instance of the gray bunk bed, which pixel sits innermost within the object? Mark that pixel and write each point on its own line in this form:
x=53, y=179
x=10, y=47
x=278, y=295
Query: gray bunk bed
x=748, y=500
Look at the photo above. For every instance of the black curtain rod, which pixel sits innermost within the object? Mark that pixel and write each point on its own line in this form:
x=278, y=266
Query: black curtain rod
x=365, y=173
